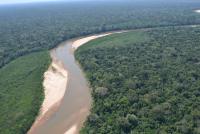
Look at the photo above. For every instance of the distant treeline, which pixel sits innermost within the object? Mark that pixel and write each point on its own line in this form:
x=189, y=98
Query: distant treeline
x=29, y=28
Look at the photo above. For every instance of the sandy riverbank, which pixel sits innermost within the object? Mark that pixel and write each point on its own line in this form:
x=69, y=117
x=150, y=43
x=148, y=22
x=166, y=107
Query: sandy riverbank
x=55, y=86
x=55, y=82
x=76, y=44
x=82, y=41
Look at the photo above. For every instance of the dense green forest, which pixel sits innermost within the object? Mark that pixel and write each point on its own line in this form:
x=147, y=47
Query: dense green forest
x=21, y=92
x=29, y=28
x=144, y=82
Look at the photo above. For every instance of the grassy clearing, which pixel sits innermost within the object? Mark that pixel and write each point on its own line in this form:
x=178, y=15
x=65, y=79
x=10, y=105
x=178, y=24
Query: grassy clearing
x=21, y=92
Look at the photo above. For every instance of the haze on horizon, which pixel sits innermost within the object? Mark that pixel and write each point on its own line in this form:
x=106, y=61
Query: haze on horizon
x=2, y=2
x=30, y=1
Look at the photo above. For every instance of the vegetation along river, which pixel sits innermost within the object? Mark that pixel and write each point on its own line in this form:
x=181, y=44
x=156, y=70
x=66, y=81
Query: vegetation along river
x=68, y=117
x=73, y=109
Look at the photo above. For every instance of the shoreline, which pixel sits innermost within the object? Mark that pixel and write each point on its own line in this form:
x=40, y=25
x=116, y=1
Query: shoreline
x=75, y=128
x=83, y=40
x=55, y=86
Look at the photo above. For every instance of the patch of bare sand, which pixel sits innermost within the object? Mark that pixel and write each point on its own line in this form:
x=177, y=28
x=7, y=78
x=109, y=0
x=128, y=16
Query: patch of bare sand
x=72, y=130
x=55, y=82
x=79, y=42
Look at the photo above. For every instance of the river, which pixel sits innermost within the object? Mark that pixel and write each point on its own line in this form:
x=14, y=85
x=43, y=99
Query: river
x=76, y=102
x=68, y=117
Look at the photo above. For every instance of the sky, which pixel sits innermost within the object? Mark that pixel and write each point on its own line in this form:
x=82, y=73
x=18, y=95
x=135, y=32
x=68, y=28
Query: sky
x=26, y=1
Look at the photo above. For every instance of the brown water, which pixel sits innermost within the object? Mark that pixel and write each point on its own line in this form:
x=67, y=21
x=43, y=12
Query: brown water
x=74, y=107
x=76, y=103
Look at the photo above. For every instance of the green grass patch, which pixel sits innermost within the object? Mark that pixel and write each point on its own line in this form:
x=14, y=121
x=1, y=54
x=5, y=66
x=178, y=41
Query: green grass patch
x=21, y=92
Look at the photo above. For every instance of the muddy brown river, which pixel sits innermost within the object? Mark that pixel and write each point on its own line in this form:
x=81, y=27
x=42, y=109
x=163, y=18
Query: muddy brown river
x=68, y=116
x=76, y=102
